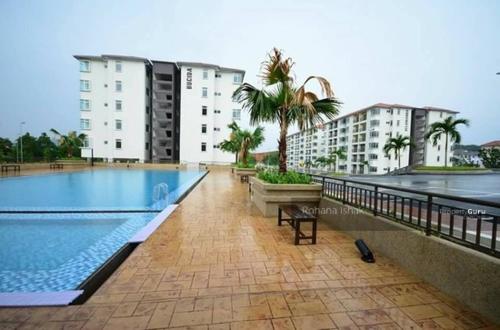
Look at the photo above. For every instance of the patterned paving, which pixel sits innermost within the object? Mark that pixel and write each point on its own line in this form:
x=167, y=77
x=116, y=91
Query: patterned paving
x=217, y=264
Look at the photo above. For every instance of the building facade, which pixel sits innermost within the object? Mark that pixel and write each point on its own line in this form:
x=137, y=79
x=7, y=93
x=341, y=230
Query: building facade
x=114, y=107
x=363, y=134
x=207, y=107
x=139, y=110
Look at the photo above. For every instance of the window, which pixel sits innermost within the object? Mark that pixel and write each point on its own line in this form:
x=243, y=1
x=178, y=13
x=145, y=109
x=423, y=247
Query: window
x=205, y=74
x=374, y=134
x=86, y=142
x=118, y=105
x=373, y=145
x=118, y=86
x=237, y=78
x=147, y=146
x=374, y=123
x=204, y=128
x=203, y=110
x=217, y=94
x=439, y=148
x=218, y=75
x=373, y=156
x=203, y=146
x=204, y=92
x=84, y=124
x=397, y=123
x=216, y=129
x=236, y=114
x=84, y=105
x=118, y=66
x=118, y=143
x=438, y=159
x=118, y=124
x=147, y=128
x=441, y=114
x=84, y=85
x=105, y=141
x=84, y=66
x=216, y=111
x=105, y=105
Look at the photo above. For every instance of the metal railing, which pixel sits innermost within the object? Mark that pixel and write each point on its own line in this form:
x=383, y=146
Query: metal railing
x=466, y=221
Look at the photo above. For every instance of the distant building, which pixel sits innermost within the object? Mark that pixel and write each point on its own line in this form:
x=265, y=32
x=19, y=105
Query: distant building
x=363, y=133
x=466, y=155
x=491, y=145
x=260, y=156
x=136, y=109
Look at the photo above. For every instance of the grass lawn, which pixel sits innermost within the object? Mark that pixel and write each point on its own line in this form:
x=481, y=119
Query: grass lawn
x=449, y=168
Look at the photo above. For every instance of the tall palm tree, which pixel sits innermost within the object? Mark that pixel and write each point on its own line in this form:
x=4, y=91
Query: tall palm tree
x=233, y=144
x=249, y=141
x=448, y=127
x=71, y=142
x=339, y=153
x=397, y=144
x=284, y=102
x=321, y=161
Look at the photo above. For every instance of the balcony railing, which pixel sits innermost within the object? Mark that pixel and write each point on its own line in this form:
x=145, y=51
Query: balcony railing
x=466, y=221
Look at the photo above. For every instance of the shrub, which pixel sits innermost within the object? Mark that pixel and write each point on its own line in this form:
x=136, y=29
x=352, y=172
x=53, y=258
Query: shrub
x=290, y=177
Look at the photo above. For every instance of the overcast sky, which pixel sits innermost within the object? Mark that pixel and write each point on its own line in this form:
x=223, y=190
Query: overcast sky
x=437, y=53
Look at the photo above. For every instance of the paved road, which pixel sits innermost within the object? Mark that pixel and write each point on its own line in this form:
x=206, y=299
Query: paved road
x=485, y=186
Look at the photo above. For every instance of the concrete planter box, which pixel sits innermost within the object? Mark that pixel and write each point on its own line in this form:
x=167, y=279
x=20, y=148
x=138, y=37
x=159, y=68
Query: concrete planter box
x=267, y=196
x=245, y=171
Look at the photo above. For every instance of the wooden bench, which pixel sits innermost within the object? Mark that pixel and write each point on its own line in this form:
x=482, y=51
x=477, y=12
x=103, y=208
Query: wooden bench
x=298, y=216
x=54, y=166
x=16, y=168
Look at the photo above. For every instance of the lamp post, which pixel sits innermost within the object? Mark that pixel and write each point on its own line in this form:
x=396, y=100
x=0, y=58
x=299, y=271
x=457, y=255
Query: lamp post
x=21, y=139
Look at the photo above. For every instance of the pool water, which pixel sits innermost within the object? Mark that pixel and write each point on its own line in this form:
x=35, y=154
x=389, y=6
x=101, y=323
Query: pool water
x=44, y=252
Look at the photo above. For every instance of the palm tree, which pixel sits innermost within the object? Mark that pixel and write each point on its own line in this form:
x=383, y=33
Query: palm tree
x=321, y=161
x=397, y=144
x=249, y=141
x=70, y=142
x=363, y=164
x=339, y=153
x=232, y=145
x=282, y=101
x=448, y=127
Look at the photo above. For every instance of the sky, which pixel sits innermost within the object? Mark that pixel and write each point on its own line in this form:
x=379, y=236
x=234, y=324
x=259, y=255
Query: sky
x=436, y=53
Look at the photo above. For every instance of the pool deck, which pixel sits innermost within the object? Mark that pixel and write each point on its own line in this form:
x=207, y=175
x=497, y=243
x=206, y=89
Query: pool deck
x=216, y=263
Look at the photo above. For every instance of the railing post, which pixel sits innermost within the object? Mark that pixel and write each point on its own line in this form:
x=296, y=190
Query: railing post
x=344, y=191
x=428, y=225
x=375, y=201
x=323, y=188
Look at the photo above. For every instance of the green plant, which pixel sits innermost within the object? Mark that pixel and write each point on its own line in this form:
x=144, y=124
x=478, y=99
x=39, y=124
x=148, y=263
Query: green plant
x=448, y=128
x=289, y=177
x=490, y=157
x=69, y=143
x=233, y=144
x=397, y=144
x=241, y=142
x=339, y=153
x=282, y=101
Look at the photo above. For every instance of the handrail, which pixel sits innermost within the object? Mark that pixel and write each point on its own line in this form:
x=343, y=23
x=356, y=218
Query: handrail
x=414, y=191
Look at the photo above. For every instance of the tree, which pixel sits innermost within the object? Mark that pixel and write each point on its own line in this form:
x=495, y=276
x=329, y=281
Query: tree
x=363, y=164
x=490, y=157
x=321, y=161
x=6, y=150
x=69, y=143
x=282, y=101
x=448, y=128
x=339, y=153
x=249, y=141
x=29, y=147
x=232, y=145
x=397, y=144
x=46, y=149
x=271, y=158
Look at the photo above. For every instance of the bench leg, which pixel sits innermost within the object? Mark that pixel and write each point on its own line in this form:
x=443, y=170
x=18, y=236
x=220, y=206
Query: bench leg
x=297, y=232
x=279, y=217
x=315, y=224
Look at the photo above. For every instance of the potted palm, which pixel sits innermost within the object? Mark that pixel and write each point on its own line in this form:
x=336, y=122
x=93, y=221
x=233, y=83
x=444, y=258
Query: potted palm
x=282, y=101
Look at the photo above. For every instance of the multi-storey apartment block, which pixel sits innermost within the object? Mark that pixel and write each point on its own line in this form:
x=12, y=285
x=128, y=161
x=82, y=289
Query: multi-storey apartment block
x=135, y=109
x=362, y=135
x=207, y=107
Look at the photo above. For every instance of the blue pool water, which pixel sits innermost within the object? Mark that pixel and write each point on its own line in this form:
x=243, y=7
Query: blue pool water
x=56, y=252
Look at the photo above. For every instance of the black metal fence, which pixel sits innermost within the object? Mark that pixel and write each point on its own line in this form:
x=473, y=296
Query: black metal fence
x=466, y=221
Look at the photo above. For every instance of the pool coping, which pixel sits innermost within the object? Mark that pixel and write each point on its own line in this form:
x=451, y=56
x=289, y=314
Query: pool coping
x=94, y=281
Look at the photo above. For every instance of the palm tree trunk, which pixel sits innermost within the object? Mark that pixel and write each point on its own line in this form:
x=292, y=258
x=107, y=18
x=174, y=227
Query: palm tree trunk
x=399, y=158
x=446, y=151
x=282, y=143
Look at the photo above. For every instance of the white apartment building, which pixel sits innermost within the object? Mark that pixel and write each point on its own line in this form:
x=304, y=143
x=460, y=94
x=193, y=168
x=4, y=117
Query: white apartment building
x=207, y=107
x=363, y=134
x=139, y=110
x=114, y=106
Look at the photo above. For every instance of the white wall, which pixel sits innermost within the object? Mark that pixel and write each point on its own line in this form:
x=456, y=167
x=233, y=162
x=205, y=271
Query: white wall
x=133, y=114
x=192, y=119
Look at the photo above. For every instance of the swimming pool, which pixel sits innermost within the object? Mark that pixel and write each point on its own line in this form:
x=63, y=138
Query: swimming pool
x=44, y=252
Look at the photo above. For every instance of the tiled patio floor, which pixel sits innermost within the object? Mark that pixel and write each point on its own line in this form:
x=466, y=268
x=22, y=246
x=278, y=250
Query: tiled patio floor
x=217, y=264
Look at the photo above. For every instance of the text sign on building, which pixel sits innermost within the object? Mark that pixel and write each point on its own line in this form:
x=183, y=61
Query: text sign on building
x=189, y=78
